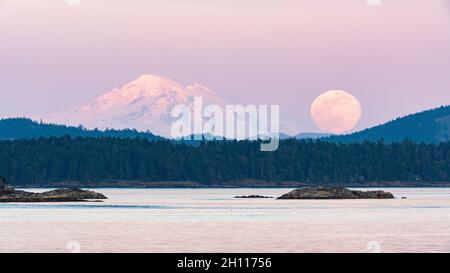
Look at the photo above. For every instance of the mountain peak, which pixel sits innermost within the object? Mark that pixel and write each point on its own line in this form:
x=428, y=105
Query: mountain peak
x=149, y=78
x=143, y=104
x=149, y=81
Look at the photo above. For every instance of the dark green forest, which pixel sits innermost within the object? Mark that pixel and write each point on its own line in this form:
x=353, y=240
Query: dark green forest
x=39, y=161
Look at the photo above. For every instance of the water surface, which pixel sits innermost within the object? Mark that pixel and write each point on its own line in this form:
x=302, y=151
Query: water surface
x=211, y=220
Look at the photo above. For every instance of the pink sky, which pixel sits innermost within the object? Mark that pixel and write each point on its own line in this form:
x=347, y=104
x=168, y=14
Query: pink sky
x=395, y=58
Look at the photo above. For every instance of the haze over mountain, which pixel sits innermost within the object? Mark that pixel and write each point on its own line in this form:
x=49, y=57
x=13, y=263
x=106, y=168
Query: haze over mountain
x=143, y=104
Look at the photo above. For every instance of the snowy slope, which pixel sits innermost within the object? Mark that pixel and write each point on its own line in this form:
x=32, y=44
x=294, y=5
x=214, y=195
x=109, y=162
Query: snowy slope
x=143, y=104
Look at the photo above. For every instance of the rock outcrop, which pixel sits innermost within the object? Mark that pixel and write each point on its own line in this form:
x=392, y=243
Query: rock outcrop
x=59, y=195
x=335, y=193
x=252, y=196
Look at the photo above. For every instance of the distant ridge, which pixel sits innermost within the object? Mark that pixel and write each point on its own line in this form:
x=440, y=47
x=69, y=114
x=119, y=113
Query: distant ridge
x=431, y=126
x=24, y=128
x=312, y=135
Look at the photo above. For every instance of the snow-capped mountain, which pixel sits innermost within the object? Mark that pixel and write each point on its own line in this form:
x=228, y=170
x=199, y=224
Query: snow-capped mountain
x=143, y=104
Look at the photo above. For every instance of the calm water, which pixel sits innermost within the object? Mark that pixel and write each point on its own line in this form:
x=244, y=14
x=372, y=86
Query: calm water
x=211, y=220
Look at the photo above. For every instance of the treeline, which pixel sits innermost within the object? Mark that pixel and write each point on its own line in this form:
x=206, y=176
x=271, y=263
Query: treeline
x=24, y=128
x=65, y=159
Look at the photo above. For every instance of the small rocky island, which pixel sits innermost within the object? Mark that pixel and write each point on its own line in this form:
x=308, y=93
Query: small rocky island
x=252, y=196
x=9, y=195
x=334, y=193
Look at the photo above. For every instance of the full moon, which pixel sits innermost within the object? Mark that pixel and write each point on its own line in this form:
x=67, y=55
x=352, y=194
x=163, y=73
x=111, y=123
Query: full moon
x=336, y=111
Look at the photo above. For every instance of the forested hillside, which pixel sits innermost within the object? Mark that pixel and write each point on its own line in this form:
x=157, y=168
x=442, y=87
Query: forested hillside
x=40, y=161
x=432, y=126
x=24, y=128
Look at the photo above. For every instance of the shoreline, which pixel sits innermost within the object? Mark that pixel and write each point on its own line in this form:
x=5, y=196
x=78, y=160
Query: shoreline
x=245, y=185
